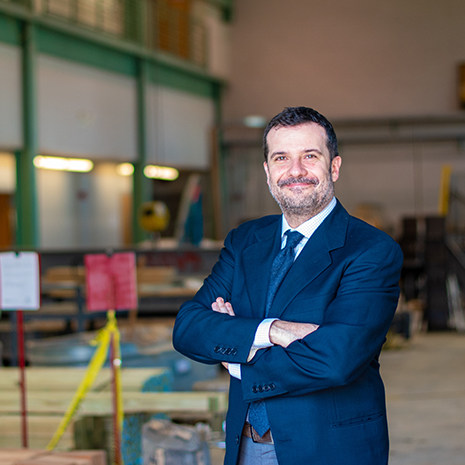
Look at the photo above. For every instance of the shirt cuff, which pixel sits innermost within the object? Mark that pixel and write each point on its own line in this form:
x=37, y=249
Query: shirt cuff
x=262, y=335
x=235, y=370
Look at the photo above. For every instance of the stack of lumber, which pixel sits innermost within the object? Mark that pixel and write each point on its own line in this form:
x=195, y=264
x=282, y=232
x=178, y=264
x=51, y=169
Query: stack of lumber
x=61, y=281
x=50, y=391
x=42, y=457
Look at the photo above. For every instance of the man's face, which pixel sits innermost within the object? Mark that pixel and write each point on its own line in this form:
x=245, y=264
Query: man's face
x=299, y=172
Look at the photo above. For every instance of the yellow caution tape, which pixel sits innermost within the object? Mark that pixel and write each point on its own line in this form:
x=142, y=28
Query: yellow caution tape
x=102, y=341
x=444, y=192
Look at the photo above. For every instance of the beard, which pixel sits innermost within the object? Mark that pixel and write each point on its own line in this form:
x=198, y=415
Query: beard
x=305, y=204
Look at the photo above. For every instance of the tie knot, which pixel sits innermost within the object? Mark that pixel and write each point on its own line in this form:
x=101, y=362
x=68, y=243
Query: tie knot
x=293, y=238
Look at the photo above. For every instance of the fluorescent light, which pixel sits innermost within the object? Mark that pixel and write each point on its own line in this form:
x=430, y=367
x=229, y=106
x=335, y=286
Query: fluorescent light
x=125, y=169
x=80, y=165
x=164, y=173
x=254, y=121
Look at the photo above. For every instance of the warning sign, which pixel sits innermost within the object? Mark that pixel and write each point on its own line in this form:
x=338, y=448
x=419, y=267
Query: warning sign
x=111, y=282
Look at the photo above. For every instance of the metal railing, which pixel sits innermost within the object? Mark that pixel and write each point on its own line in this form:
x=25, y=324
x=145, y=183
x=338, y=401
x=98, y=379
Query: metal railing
x=160, y=25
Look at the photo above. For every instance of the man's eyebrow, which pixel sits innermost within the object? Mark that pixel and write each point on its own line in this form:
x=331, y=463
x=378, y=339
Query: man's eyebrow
x=313, y=150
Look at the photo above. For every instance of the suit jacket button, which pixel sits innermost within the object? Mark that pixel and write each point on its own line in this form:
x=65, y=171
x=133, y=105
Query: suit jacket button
x=272, y=386
x=234, y=352
x=228, y=351
x=254, y=389
x=217, y=349
x=260, y=388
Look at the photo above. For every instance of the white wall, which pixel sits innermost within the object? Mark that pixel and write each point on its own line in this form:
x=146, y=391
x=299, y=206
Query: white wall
x=85, y=111
x=355, y=58
x=179, y=126
x=105, y=206
x=57, y=209
x=79, y=210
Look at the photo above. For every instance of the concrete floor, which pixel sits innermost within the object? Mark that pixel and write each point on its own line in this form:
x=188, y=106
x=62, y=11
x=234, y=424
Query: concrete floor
x=425, y=386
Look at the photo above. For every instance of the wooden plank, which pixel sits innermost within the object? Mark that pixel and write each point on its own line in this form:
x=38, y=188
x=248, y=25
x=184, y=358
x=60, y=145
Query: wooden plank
x=35, y=442
x=11, y=455
x=100, y=403
x=40, y=456
x=40, y=431
x=68, y=379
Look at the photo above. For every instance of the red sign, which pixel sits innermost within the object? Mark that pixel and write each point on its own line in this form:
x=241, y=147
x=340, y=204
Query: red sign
x=111, y=282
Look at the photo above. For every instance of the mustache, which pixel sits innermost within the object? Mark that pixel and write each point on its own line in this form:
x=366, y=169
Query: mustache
x=288, y=181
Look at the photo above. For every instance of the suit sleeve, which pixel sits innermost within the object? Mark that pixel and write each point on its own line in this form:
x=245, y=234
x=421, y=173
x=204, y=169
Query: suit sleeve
x=350, y=338
x=207, y=336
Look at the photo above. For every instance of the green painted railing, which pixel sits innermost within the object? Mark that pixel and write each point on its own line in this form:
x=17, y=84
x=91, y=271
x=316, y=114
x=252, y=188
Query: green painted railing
x=161, y=25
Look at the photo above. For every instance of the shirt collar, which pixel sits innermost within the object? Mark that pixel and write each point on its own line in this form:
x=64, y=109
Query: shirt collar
x=309, y=227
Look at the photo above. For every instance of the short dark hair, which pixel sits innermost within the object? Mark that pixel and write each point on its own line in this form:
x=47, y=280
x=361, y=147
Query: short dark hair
x=294, y=116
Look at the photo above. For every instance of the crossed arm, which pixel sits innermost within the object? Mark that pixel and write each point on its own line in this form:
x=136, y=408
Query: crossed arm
x=282, y=333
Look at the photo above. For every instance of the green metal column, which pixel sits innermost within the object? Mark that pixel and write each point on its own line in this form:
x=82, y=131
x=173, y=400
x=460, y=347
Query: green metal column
x=27, y=232
x=141, y=186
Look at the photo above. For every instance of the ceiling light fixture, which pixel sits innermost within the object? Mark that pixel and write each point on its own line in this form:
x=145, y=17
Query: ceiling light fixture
x=80, y=165
x=125, y=169
x=165, y=173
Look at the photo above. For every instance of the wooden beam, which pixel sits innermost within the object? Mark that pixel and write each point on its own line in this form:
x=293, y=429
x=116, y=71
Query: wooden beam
x=100, y=403
x=40, y=428
x=68, y=379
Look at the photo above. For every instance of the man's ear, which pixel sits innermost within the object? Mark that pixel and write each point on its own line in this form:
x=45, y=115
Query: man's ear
x=335, y=167
x=267, y=171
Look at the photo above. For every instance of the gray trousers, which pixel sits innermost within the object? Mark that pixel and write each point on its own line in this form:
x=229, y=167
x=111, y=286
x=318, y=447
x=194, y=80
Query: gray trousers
x=252, y=453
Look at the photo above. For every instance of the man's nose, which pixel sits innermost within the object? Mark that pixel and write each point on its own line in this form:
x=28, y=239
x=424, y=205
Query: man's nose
x=297, y=168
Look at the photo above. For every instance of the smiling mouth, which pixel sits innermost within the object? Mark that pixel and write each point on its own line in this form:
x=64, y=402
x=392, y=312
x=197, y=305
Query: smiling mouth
x=298, y=182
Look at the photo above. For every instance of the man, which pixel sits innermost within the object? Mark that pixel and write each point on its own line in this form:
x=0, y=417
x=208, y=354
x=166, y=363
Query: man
x=305, y=385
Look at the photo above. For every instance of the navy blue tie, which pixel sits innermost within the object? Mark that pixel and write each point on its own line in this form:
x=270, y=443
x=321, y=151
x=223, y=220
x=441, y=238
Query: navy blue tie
x=258, y=417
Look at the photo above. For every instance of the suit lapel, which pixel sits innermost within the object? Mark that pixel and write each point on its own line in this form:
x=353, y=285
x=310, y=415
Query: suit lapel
x=257, y=259
x=313, y=260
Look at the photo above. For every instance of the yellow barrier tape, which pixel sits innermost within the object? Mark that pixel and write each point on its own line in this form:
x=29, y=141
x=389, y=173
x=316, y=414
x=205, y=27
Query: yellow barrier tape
x=444, y=192
x=98, y=359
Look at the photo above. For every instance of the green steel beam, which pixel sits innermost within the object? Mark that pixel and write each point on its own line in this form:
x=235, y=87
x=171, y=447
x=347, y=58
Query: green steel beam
x=10, y=30
x=141, y=184
x=69, y=47
x=170, y=76
x=27, y=235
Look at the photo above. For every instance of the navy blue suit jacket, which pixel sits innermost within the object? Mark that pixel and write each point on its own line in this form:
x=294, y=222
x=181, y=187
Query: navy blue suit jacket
x=324, y=394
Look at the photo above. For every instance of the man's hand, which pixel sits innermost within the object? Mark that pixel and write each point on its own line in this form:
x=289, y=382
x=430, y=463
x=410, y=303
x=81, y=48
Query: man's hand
x=283, y=333
x=220, y=306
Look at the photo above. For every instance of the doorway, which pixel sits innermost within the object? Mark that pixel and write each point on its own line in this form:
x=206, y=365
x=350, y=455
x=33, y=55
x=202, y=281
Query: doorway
x=6, y=221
